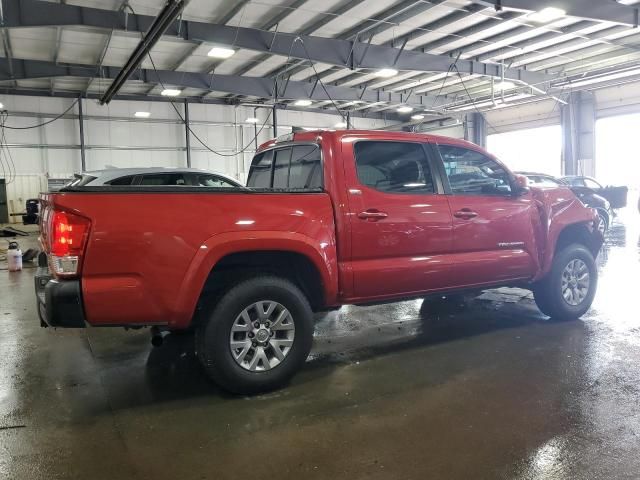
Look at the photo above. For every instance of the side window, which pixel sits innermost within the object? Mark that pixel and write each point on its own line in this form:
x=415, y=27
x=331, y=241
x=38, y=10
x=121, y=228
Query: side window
x=306, y=168
x=472, y=173
x=163, y=179
x=394, y=167
x=260, y=172
x=575, y=181
x=212, y=181
x=128, y=180
x=589, y=182
x=281, y=168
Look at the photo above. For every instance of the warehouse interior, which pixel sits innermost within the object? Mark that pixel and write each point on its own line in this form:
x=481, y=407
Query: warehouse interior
x=480, y=384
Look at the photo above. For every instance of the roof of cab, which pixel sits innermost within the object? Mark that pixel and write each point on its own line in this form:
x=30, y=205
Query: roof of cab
x=313, y=135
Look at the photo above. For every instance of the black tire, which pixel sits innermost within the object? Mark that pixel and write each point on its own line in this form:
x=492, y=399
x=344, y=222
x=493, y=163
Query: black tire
x=604, y=218
x=213, y=336
x=548, y=292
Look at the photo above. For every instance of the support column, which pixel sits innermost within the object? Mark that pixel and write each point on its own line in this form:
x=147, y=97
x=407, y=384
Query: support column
x=476, y=129
x=275, y=121
x=83, y=160
x=578, y=119
x=187, y=132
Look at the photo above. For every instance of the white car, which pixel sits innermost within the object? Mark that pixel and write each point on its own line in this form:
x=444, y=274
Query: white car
x=153, y=177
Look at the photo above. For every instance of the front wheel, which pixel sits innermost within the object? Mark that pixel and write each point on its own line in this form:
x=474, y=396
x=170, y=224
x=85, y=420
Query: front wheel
x=603, y=222
x=568, y=290
x=257, y=336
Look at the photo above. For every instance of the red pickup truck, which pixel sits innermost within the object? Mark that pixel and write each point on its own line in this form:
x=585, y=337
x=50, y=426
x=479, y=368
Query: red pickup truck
x=329, y=218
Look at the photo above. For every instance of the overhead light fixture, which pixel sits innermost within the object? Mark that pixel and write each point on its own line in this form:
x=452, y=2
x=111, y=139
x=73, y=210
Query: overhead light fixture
x=417, y=117
x=170, y=92
x=303, y=103
x=142, y=114
x=404, y=109
x=252, y=120
x=504, y=85
x=386, y=72
x=547, y=14
x=627, y=2
x=221, y=52
x=340, y=125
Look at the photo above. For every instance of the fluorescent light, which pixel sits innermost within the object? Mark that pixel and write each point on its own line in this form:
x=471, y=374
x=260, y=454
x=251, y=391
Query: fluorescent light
x=417, y=117
x=252, y=120
x=404, y=109
x=221, y=52
x=340, y=125
x=504, y=85
x=627, y=2
x=303, y=103
x=547, y=14
x=386, y=72
x=142, y=114
x=170, y=92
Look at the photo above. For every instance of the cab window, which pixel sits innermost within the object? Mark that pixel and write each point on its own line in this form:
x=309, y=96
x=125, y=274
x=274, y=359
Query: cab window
x=472, y=173
x=393, y=167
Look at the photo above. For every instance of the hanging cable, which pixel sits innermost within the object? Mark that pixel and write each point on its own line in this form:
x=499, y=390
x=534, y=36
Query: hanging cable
x=313, y=66
x=200, y=141
x=5, y=147
x=473, y=102
x=57, y=117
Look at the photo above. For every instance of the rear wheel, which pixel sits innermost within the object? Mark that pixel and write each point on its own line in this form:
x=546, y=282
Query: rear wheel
x=257, y=336
x=568, y=290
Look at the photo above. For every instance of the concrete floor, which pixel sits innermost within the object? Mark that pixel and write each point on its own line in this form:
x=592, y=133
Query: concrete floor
x=488, y=389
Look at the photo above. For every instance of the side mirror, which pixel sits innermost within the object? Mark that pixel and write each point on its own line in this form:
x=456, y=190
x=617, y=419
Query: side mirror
x=521, y=185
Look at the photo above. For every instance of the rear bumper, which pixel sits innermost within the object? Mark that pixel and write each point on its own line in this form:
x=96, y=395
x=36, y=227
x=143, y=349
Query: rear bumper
x=59, y=302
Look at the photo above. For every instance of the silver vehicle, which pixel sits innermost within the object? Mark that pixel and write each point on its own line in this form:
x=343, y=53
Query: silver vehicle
x=154, y=177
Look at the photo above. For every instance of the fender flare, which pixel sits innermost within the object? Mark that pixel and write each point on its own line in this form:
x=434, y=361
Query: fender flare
x=322, y=255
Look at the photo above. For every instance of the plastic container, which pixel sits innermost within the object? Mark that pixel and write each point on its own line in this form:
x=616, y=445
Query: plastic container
x=14, y=257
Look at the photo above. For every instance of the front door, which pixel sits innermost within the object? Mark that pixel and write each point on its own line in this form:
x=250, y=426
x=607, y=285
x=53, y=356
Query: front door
x=493, y=235
x=401, y=228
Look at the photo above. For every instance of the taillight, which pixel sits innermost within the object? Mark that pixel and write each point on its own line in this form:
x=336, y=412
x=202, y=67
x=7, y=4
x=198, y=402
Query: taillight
x=67, y=237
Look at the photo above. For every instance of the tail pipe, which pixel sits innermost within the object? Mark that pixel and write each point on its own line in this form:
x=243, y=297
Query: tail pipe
x=157, y=336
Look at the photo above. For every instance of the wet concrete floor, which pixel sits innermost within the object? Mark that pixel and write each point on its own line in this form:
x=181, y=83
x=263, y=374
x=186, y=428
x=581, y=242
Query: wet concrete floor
x=481, y=388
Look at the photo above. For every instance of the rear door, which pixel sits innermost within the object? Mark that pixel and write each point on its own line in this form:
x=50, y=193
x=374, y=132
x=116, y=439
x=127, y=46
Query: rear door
x=493, y=236
x=400, y=221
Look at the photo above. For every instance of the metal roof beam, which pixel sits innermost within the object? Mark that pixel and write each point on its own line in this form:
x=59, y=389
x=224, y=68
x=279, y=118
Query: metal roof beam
x=31, y=13
x=234, y=84
x=600, y=10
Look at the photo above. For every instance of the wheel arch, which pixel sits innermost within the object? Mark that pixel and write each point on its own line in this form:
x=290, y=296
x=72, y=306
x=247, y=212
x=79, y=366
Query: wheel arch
x=228, y=258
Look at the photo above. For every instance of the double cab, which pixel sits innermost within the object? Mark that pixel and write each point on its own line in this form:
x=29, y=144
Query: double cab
x=329, y=218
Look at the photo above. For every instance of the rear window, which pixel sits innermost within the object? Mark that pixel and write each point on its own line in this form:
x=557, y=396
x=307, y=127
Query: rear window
x=80, y=180
x=296, y=167
x=128, y=180
x=260, y=172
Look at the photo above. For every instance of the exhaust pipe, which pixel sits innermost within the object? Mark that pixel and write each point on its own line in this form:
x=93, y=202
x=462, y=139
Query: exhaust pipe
x=157, y=336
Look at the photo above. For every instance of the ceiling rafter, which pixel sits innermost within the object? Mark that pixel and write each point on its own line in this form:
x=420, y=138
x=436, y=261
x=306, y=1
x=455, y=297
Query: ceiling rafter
x=317, y=49
x=237, y=85
x=599, y=10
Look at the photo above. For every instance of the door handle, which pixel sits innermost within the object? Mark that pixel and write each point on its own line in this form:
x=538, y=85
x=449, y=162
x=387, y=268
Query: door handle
x=372, y=215
x=465, y=213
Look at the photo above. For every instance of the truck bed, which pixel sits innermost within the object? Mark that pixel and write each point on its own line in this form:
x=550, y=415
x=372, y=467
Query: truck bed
x=148, y=254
